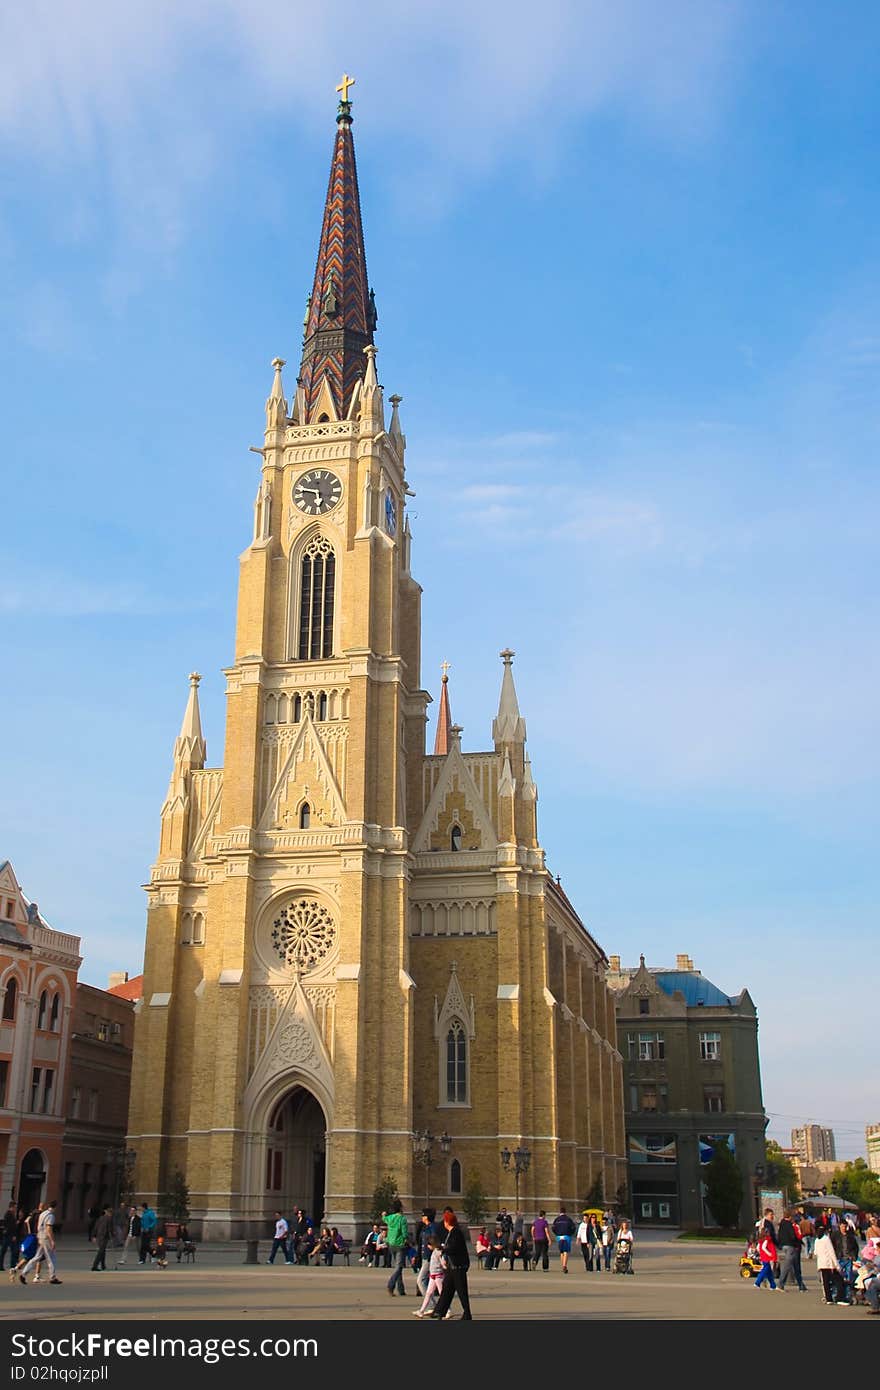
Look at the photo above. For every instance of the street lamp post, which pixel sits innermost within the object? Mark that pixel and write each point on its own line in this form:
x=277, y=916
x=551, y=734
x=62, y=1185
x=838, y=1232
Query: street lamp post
x=521, y=1160
x=423, y=1151
x=759, y=1178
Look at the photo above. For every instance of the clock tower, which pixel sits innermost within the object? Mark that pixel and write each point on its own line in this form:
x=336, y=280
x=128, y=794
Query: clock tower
x=326, y=973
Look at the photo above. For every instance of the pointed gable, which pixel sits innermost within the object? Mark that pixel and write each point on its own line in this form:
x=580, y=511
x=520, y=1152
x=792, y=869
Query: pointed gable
x=455, y=801
x=306, y=776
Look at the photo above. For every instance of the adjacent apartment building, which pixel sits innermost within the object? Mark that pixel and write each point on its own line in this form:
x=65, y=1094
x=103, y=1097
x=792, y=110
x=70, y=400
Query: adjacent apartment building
x=813, y=1144
x=38, y=968
x=692, y=1081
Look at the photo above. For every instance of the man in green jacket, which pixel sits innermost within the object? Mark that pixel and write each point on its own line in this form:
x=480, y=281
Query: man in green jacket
x=397, y=1242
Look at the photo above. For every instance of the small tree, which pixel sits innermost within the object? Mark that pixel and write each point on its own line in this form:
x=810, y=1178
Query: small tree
x=724, y=1185
x=596, y=1195
x=621, y=1200
x=474, y=1199
x=780, y=1171
x=174, y=1203
x=384, y=1194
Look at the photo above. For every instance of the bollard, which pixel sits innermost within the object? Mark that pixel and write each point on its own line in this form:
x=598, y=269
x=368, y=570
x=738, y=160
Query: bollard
x=250, y=1257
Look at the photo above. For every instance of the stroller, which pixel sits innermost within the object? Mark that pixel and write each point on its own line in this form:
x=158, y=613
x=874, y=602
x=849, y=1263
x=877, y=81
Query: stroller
x=623, y=1259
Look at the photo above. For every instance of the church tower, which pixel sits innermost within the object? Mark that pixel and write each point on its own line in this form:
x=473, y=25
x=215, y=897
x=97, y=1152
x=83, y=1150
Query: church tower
x=347, y=940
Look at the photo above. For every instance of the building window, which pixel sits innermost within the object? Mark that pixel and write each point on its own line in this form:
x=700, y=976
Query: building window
x=41, y=1016
x=305, y=816
x=322, y=706
x=455, y=838
x=455, y=1176
x=103, y=1030
x=633, y=1096
x=713, y=1099
x=456, y=1065
x=4, y=1079
x=75, y=1101
x=316, y=599
x=297, y=708
x=93, y=1105
x=652, y=1148
x=649, y=1099
x=632, y=1047
x=48, y=1081
x=651, y=1047
x=710, y=1047
x=663, y=1099
x=9, y=999
x=10, y=909
x=198, y=929
x=53, y=1017
x=644, y=1006
x=35, y=1087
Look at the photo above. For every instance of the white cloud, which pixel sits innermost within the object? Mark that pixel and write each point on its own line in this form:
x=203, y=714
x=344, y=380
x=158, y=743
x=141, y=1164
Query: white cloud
x=152, y=91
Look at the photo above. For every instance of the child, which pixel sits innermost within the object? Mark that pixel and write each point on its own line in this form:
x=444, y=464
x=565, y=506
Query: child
x=767, y=1255
x=436, y=1275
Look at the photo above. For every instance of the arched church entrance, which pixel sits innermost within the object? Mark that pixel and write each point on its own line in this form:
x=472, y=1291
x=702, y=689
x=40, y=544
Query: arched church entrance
x=296, y=1154
x=32, y=1179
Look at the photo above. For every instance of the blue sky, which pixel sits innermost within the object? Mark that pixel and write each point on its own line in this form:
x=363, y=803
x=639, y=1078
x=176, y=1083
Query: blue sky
x=628, y=282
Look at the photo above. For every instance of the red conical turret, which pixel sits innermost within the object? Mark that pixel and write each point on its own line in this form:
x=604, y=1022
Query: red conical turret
x=341, y=314
x=444, y=718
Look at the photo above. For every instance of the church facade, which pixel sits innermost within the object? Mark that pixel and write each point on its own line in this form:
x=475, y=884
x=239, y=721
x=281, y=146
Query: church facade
x=350, y=941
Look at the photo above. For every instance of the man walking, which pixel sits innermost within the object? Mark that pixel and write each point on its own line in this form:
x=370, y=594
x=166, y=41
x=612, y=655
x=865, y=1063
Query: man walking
x=148, y=1230
x=132, y=1232
x=45, y=1245
x=563, y=1229
x=279, y=1240
x=10, y=1236
x=103, y=1229
x=790, y=1242
x=397, y=1239
x=429, y=1228
x=541, y=1240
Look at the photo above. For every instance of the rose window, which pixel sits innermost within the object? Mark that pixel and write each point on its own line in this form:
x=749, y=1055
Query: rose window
x=303, y=934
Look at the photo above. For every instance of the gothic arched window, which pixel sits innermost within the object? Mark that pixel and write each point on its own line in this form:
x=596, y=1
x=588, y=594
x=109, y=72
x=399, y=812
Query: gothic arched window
x=9, y=999
x=41, y=1016
x=53, y=1016
x=316, y=598
x=297, y=708
x=305, y=816
x=455, y=1176
x=456, y=1065
x=322, y=706
x=455, y=837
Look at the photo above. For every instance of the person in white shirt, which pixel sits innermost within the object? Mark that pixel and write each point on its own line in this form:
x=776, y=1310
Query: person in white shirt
x=279, y=1240
x=45, y=1246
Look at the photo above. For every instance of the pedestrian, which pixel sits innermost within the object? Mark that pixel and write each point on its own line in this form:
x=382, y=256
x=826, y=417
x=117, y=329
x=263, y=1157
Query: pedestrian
x=436, y=1275
x=808, y=1235
x=790, y=1243
x=45, y=1245
x=27, y=1241
x=519, y=1250
x=828, y=1268
x=455, y=1281
x=582, y=1239
x=398, y=1236
x=607, y=1228
x=103, y=1231
x=767, y=1256
x=563, y=1229
x=541, y=1240
x=132, y=1233
x=94, y=1213
x=10, y=1236
x=429, y=1228
x=148, y=1231
x=279, y=1240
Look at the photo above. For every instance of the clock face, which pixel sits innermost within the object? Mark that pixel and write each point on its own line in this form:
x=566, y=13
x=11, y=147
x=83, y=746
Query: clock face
x=390, y=512
x=316, y=492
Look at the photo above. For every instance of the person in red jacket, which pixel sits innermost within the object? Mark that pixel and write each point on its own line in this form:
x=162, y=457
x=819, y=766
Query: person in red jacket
x=767, y=1255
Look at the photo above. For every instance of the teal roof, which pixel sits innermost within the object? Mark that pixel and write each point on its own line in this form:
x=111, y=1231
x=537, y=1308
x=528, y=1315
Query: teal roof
x=694, y=986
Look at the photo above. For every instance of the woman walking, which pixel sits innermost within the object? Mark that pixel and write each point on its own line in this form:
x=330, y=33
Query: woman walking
x=455, y=1253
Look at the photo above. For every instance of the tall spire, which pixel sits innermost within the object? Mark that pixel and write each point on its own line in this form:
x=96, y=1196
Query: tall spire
x=190, y=747
x=444, y=718
x=341, y=314
x=508, y=725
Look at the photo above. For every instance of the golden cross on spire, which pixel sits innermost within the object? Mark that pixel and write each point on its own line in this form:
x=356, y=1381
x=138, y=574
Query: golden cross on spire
x=344, y=85
x=444, y=667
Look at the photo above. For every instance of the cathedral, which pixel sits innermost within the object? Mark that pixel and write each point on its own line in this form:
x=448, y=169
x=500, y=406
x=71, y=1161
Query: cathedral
x=356, y=962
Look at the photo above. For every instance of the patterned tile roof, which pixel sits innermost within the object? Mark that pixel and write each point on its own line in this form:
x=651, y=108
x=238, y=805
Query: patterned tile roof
x=341, y=315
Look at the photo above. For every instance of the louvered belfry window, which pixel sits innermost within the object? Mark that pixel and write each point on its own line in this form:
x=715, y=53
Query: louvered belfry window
x=317, y=592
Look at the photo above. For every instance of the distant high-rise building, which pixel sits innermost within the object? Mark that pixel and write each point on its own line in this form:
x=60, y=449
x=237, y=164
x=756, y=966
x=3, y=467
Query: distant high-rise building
x=814, y=1144
x=872, y=1145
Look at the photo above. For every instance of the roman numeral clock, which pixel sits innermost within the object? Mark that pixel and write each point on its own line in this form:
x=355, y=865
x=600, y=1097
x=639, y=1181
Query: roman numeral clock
x=317, y=492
